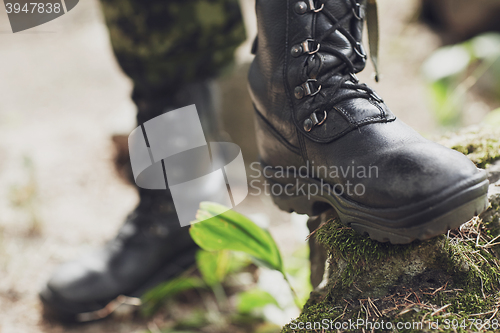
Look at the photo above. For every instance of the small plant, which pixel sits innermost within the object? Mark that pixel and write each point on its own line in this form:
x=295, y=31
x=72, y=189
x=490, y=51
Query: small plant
x=229, y=230
x=229, y=243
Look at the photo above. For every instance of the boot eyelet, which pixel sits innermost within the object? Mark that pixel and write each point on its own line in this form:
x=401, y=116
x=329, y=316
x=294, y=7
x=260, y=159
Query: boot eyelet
x=357, y=11
x=316, y=92
x=301, y=7
x=296, y=51
x=319, y=9
x=306, y=89
x=299, y=92
x=313, y=120
x=309, y=47
x=313, y=8
x=360, y=50
x=318, y=122
x=354, y=78
x=308, y=125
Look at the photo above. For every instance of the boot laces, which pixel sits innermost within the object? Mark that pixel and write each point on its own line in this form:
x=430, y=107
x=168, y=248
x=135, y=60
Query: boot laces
x=348, y=69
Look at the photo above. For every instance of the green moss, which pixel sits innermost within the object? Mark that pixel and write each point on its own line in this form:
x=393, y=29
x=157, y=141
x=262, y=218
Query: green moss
x=468, y=276
x=347, y=243
x=480, y=145
x=490, y=219
x=460, y=316
x=355, y=250
x=475, y=269
x=463, y=307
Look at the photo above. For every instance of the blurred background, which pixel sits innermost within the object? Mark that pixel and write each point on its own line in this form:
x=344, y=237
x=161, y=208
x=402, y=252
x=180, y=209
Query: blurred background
x=65, y=109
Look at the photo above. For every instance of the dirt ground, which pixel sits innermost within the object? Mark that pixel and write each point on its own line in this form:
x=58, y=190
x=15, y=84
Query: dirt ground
x=63, y=97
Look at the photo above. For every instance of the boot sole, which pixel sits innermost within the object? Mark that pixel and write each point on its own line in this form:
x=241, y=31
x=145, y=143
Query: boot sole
x=422, y=220
x=65, y=311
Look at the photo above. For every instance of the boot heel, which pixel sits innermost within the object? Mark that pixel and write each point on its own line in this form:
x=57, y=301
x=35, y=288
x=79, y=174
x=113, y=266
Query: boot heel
x=294, y=204
x=308, y=204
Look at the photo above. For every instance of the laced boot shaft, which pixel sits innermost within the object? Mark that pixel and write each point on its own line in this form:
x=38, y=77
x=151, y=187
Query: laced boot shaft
x=325, y=54
x=306, y=63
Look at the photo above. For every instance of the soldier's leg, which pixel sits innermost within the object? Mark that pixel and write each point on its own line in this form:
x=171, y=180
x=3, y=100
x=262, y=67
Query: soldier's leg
x=171, y=50
x=168, y=47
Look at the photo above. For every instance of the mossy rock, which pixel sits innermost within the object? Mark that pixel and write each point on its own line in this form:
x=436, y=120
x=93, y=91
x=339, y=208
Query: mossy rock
x=481, y=144
x=450, y=283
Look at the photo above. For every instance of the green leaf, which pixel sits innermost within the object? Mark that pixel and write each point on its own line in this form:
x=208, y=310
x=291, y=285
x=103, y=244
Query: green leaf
x=213, y=266
x=222, y=229
x=152, y=299
x=254, y=299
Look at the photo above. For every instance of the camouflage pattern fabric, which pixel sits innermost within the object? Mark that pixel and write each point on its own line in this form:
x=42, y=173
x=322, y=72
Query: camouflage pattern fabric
x=163, y=45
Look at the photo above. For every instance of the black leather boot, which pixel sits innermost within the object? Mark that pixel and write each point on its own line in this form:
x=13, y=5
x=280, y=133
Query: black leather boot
x=327, y=140
x=150, y=247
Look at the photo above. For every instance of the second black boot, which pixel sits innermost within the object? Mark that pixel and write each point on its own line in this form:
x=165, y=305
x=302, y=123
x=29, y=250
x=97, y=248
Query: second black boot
x=327, y=140
x=150, y=247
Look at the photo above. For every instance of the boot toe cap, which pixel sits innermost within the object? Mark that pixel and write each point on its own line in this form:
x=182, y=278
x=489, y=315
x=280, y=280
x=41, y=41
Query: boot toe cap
x=417, y=172
x=78, y=286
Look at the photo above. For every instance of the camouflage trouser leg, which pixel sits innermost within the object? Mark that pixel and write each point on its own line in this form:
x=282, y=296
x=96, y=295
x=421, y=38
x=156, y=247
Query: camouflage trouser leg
x=164, y=45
